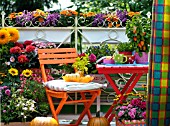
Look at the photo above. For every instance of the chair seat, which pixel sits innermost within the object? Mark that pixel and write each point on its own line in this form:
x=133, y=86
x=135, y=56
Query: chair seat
x=61, y=85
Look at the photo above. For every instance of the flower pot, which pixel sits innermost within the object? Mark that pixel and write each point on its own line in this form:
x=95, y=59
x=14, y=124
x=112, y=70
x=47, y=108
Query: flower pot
x=130, y=123
x=108, y=61
x=143, y=59
x=16, y=124
x=130, y=57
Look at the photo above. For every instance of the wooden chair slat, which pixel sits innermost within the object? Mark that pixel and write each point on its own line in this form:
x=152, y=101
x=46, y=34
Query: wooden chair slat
x=65, y=55
x=57, y=50
x=57, y=61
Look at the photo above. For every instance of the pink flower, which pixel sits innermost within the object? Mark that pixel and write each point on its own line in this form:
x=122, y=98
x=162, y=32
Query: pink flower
x=12, y=59
x=131, y=114
x=92, y=58
x=129, y=106
x=144, y=115
x=123, y=107
x=7, y=92
x=121, y=113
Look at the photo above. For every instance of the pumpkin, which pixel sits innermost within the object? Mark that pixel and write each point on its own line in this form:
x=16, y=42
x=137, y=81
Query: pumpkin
x=44, y=121
x=98, y=121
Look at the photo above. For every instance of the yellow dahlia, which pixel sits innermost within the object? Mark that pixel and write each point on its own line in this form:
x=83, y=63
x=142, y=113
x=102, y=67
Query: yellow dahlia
x=27, y=73
x=13, y=71
x=14, y=33
x=4, y=36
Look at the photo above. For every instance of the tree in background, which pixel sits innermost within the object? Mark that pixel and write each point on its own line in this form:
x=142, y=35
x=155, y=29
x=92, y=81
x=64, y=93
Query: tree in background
x=9, y=6
x=143, y=6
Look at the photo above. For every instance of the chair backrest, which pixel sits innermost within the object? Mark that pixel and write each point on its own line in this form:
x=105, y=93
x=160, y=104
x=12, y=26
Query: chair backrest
x=55, y=56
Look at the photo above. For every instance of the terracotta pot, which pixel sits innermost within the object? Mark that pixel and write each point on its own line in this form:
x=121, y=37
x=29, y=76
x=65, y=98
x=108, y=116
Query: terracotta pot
x=16, y=124
x=130, y=123
x=143, y=59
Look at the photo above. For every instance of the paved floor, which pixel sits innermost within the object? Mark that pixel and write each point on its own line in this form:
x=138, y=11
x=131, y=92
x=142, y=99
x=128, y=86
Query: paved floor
x=67, y=119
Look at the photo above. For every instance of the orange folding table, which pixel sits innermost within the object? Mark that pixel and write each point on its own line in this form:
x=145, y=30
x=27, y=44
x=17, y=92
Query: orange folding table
x=136, y=71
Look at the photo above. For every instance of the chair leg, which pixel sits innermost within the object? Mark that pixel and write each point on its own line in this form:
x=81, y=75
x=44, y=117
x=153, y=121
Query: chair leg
x=52, y=107
x=85, y=104
x=60, y=106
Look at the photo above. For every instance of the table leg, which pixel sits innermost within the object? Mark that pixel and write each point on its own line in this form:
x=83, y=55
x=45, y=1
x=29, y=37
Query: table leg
x=94, y=95
x=127, y=89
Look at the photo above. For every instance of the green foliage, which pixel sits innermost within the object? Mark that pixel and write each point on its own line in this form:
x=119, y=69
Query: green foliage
x=104, y=49
x=125, y=46
x=138, y=31
x=10, y=6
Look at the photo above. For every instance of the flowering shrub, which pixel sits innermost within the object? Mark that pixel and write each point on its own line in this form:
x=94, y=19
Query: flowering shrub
x=134, y=108
x=41, y=18
x=23, y=96
x=114, y=19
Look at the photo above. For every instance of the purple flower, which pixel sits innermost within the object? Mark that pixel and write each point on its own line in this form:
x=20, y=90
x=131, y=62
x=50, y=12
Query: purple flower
x=92, y=58
x=143, y=105
x=121, y=113
x=4, y=111
x=7, y=92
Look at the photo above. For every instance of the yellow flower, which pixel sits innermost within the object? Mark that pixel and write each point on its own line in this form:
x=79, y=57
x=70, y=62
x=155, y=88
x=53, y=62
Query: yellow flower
x=1, y=82
x=27, y=73
x=13, y=71
x=4, y=37
x=14, y=34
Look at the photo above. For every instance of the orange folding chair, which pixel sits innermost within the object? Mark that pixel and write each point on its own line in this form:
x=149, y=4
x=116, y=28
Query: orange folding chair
x=64, y=56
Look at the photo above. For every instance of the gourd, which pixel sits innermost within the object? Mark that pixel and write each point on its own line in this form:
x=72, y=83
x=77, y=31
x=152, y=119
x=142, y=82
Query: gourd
x=98, y=121
x=44, y=121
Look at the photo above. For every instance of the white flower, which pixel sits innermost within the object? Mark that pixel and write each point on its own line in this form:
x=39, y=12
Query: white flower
x=31, y=109
x=25, y=108
x=25, y=117
x=22, y=113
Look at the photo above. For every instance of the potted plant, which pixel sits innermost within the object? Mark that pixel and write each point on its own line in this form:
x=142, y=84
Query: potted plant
x=126, y=48
x=138, y=30
x=132, y=111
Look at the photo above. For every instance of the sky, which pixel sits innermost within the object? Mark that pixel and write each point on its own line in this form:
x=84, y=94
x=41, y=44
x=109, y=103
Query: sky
x=63, y=3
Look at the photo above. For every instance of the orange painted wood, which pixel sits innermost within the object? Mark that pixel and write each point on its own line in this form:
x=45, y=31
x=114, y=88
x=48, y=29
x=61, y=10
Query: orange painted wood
x=64, y=56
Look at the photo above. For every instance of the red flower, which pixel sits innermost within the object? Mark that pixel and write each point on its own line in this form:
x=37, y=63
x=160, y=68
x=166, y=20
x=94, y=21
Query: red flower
x=136, y=102
x=28, y=42
x=81, y=55
x=19, y=45
x=22, y=59
x=15, y=49
x=30, y=48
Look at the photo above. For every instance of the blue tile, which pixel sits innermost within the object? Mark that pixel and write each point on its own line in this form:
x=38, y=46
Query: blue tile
x=160, y=9
x=155, y=106
x=168, y=106
x=156, y=91
x=158, y=58
x=159, y=41
x=154, y=122
x=157, y=74
x=159, y=25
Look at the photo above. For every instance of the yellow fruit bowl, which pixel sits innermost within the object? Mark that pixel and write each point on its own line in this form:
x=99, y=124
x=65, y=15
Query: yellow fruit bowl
x=77, y=78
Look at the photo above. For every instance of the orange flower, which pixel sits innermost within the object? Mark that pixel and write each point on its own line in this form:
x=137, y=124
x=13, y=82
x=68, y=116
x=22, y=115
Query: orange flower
x=12, y=15
x=135, y=38
x=142, y=43
x=110, y=24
